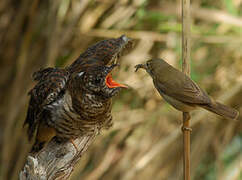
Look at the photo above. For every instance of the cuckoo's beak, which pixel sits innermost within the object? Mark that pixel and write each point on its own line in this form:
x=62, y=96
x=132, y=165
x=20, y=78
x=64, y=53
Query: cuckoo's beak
x=109, y=80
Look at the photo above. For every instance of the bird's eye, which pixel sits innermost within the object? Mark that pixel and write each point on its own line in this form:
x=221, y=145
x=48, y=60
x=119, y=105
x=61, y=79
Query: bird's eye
x=97, y=81
x=80, y=74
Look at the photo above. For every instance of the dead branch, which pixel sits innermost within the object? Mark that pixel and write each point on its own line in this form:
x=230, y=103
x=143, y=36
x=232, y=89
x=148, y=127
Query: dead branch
x=56, y=161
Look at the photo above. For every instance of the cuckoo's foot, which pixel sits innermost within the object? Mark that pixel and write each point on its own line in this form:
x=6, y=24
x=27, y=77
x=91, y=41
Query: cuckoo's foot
x=60, y=140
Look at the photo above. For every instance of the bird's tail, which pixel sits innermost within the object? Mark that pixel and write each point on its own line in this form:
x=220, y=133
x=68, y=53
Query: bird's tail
x=222, y=110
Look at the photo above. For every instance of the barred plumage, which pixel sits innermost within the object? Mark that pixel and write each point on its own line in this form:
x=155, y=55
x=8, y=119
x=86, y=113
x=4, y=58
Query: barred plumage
x=74, y=101
x=71, y=124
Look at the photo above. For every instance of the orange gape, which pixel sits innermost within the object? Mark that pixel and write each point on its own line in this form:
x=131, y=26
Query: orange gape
x=111, y=83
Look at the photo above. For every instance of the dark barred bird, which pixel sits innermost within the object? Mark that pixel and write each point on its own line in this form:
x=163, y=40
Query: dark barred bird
x=74, y=101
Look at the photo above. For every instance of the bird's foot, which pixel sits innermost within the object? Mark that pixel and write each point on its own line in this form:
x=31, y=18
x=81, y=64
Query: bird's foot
x=183, y=128
x=60, y=140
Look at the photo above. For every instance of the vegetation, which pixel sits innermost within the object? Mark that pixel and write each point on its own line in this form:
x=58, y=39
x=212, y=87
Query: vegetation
x=145, y=141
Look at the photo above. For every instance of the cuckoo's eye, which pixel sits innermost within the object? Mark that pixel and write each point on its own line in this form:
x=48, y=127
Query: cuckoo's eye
x=80, y=74
x=97, y=81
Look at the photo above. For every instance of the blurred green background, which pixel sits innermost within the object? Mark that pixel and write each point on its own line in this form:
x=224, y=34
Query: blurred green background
x=145, y=141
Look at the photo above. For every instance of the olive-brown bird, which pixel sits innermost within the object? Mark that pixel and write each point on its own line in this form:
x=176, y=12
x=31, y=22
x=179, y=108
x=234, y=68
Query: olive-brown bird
x=182, y=92
x=76, y=100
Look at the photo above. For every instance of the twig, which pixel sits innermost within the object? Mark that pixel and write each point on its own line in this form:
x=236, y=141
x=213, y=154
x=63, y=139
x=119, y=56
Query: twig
x=186, y=70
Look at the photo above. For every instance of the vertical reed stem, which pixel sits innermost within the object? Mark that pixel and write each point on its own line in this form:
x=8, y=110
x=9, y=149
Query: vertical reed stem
x=186, y=70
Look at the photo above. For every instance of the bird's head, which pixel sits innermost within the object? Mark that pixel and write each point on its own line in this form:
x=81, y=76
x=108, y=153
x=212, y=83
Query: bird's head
x=92, y=70
x=104, y=52
x=97, y=80
x=154, y=67
x=146, y=66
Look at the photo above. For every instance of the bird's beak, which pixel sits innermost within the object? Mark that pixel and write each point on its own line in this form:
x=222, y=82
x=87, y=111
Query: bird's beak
x=109, y=80
x=113, y=66
x=144, y=66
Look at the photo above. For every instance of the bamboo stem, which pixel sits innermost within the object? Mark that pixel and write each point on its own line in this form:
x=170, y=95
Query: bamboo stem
x=186, y=70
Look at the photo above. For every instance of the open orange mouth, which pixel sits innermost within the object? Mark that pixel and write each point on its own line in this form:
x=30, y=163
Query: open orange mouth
x=111, y=83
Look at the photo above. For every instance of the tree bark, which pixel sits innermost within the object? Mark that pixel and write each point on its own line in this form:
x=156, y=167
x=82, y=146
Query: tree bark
x=55, y=161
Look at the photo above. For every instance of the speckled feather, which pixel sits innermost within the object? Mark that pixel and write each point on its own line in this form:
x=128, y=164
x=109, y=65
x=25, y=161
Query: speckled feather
x=51, y=85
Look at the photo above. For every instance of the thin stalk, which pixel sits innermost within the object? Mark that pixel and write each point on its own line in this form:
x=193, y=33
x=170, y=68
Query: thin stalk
x=186, y=70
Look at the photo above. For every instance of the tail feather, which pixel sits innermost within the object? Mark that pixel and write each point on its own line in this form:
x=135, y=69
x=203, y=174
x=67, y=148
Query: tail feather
x=222, y=110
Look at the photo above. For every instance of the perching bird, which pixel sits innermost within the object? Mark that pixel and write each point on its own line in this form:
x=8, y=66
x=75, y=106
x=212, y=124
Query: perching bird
x=74, y=101
x=182, y=92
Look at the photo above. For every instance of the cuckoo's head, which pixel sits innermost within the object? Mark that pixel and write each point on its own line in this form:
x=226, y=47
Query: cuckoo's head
x=104, y=52
x=92, y=70
x=97, y=80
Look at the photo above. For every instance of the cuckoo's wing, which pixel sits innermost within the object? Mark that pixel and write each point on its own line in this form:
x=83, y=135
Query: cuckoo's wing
x=183, y=89
x=51, y=85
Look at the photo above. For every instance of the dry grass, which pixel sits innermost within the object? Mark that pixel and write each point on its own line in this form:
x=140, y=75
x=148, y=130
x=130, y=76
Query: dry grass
x=146, y=140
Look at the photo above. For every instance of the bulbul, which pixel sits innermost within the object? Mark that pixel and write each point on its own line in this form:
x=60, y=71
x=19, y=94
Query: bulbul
x=70, y=102
x=182, y=92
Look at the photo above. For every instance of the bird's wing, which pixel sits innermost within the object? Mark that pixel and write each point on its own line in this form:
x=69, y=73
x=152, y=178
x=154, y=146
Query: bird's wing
x=51, y=85
x=183, y=89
